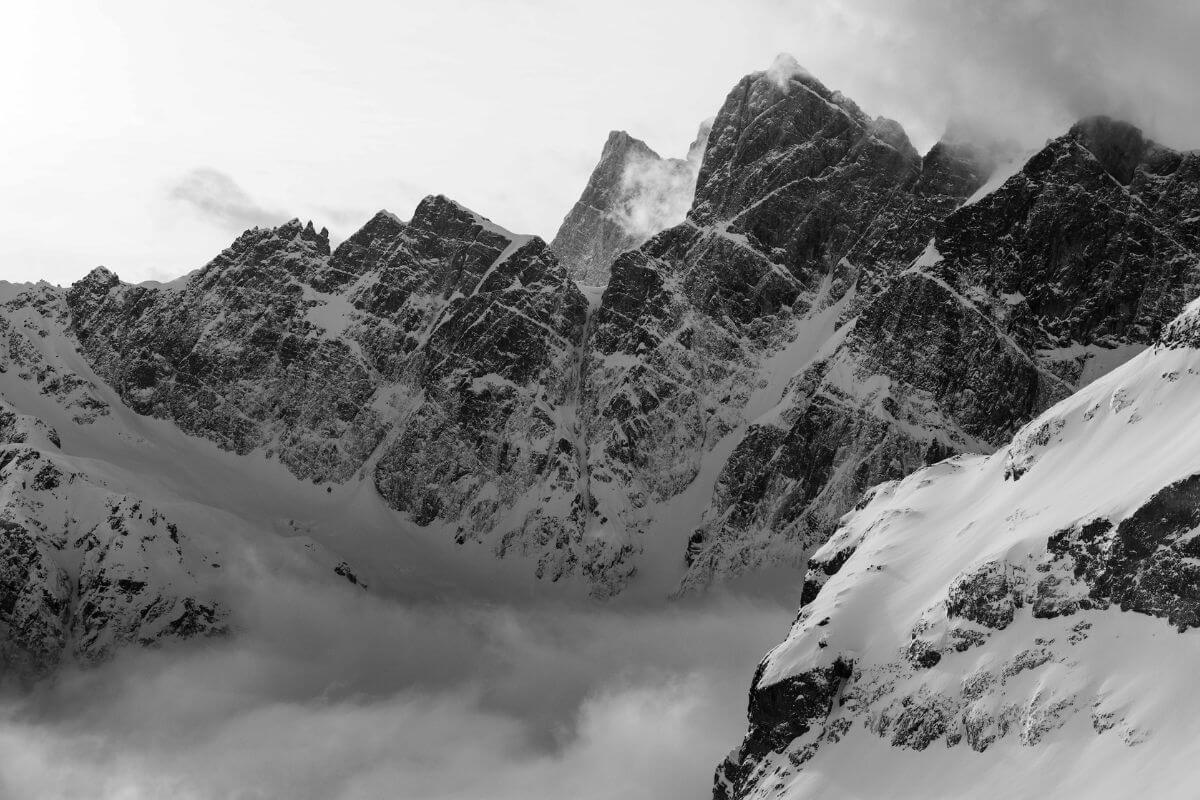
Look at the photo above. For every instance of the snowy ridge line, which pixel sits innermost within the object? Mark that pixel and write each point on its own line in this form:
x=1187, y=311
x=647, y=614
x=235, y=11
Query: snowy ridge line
x=952, y=605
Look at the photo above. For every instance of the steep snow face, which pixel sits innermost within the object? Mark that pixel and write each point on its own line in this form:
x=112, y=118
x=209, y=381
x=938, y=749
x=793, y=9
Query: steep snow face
x=632, y=194
x=993, y=610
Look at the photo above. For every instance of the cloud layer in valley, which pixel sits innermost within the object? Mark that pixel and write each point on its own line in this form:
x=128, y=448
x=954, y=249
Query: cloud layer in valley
x=329, y=692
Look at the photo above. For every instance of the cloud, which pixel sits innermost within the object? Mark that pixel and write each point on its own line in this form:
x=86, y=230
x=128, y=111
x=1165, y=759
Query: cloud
x=330, y=692
x=784, y=68
x=646, y=741
x=1026, y=68
x=217, y=198
x=656, y=194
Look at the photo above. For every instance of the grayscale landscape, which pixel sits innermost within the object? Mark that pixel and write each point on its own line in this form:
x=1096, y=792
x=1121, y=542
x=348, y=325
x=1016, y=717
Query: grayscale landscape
x=600, y=400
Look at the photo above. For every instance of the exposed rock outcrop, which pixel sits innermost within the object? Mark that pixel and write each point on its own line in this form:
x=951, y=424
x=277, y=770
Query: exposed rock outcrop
x=836, y=310
x=84, y=566
x=632, y=194
x=1068, y=268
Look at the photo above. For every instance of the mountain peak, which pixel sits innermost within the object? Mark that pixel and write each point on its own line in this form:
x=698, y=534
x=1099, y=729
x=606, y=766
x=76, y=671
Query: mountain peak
x=436, y=212
x=90, y=290
x=385, y=216
x=963, y=159
x=100, y=276
x=784, y=69
x=436, y=208
x=695, y=151
x=759, y=140
x=1119, y=146
x=632, y=194
x=892, y=133
x=620, y=145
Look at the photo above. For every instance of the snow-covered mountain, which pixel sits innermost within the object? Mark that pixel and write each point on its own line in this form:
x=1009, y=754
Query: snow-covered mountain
x=924, y=313
x=632, y=194
x=438, y=359
x=86, y=565
x=119, y=528
x=835, y=310
x=1010, y=625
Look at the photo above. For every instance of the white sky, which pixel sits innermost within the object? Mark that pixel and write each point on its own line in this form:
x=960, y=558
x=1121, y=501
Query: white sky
x=332, y=111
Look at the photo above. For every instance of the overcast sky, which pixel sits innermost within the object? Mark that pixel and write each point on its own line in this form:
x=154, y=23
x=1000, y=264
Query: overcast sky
x=145, y=135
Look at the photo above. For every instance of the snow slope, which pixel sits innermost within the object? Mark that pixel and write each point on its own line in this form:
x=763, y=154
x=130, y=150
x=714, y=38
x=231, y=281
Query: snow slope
x=1013, y=625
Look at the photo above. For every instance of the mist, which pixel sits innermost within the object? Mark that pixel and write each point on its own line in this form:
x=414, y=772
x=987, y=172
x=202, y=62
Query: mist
x=331, y=692
x=656, y=194
x=1023, y=70
x=217, y=197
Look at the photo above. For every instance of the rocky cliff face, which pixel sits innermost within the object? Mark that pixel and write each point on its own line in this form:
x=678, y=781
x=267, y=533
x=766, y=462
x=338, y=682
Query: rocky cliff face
x=1001, y=603
x=762, y=332
x=84, y=566
x=632, y=194
x=440, y=358
x=1057, y=275
x=836, y=310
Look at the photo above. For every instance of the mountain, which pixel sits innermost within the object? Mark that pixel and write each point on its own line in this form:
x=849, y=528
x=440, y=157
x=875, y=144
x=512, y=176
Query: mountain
x=937, y=315
x=1020, y=606
x=85, y=566
x=632, y=194
x=804, y=207
x=439, y=359
x=120, y=527
x=836, y=310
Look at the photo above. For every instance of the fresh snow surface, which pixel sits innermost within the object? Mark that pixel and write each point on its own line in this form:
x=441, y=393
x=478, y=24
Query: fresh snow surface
x=332, y=312
x=1097, y=360
x=929, y=257
x=593, y=295
x=1100, y=453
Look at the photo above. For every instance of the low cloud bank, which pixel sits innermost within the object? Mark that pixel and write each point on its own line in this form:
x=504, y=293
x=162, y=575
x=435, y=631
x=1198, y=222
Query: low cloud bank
x=330, y=692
